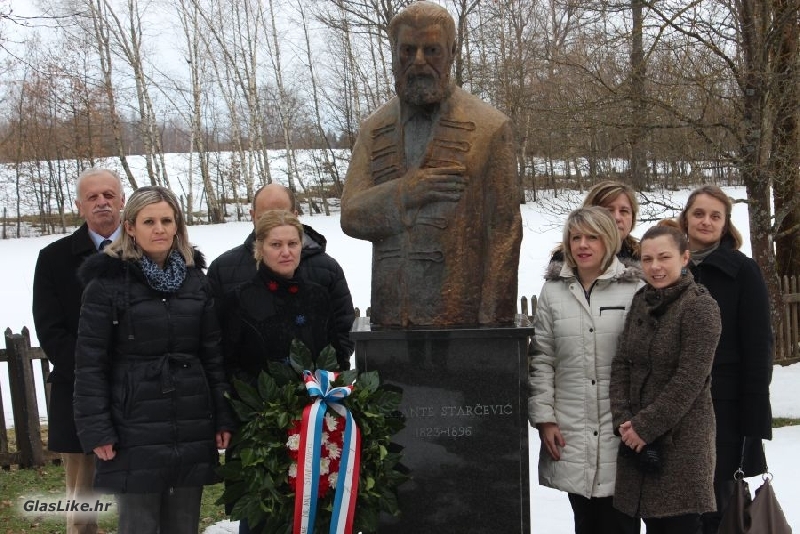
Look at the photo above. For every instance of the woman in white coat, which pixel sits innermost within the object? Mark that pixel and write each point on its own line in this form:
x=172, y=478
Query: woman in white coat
x=580, y=315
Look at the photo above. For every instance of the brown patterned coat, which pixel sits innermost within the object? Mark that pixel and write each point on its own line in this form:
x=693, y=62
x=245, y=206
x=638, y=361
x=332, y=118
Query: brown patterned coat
x=661, y=382
x=444, y=263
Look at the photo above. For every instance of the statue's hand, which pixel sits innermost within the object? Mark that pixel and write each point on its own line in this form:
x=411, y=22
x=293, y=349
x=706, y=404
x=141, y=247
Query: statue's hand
x=443, y=184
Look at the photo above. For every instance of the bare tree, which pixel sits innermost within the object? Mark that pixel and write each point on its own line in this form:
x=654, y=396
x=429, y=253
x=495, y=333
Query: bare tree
x=233, y=31
x=283, y=104
x=94, y=24
x=328, y=154
x=189, y=15
x=744, y=36
x=785, y=159
x=639, y=108
x=127, y=35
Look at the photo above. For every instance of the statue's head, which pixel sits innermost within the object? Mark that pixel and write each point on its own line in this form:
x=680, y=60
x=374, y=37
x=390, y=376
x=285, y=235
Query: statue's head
x=423, y=38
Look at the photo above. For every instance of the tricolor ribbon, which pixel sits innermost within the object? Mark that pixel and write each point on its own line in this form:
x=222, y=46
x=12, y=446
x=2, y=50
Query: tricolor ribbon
x=308, y=468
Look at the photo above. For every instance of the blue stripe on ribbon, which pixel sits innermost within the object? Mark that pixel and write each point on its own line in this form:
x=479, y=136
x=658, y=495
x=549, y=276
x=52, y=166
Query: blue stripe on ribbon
x=317, y=385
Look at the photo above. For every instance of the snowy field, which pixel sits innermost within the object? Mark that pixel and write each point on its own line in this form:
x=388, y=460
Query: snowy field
x=550, y=510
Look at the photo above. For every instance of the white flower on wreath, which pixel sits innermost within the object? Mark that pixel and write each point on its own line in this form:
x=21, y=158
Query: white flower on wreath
x=293, y=470
x=331, y=423
x=333, y=451
x=324, y=466
x=332, y=479
x=293, y=442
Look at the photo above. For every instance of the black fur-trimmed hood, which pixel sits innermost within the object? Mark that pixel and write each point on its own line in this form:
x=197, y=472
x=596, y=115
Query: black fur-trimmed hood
x=102, y=265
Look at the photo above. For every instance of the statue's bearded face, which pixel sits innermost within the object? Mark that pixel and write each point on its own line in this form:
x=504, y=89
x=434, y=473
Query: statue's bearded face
x=421, y=64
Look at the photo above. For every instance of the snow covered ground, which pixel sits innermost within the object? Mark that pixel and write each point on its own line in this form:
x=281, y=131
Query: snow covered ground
x=550, y=510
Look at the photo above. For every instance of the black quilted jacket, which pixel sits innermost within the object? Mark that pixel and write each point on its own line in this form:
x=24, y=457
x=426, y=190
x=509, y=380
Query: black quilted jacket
x=237, y=266
x=149, y=378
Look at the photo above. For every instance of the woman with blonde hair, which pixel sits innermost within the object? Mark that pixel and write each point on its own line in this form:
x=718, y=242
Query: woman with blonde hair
x=274, y=308
x=579, y=317
x=620, y=200
x=743, y=359
x=149, y=377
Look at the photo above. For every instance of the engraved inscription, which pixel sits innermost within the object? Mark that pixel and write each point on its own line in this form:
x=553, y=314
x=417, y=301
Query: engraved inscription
x=452, y=420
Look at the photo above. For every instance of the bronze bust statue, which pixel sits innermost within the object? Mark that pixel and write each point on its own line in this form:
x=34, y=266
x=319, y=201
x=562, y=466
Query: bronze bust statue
x=433, y=185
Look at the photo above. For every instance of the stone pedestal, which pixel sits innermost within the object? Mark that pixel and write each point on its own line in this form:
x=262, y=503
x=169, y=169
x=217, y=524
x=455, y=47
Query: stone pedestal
x=466, y=437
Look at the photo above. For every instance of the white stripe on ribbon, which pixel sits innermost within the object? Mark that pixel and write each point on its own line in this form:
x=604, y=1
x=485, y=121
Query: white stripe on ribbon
x=309, y=455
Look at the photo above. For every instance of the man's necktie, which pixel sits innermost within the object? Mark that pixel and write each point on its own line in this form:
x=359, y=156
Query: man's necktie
x=103, y=244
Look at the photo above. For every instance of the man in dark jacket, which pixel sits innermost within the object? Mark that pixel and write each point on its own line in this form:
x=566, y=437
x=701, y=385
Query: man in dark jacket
x=238, y=265
x=56, y=309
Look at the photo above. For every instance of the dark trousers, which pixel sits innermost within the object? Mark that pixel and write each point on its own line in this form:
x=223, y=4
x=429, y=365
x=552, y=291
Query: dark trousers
x=723, y=491
x=598, y=516
x=174, y=511
x=679, y=524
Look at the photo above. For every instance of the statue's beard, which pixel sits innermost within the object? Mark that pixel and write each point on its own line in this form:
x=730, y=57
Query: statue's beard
x=421, y=89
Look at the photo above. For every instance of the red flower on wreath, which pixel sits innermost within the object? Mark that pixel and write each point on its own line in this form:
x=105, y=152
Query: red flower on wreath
x=330, y=452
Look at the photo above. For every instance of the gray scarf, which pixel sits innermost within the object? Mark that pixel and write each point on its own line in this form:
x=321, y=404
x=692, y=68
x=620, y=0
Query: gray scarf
x=699, y=255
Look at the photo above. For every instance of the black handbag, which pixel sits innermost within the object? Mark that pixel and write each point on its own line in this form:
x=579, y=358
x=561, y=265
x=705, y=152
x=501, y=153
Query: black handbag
x=760, y=515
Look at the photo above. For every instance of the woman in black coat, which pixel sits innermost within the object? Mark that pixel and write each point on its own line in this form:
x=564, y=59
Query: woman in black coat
x=149, y=378
x=743, y=361
x=275, y=307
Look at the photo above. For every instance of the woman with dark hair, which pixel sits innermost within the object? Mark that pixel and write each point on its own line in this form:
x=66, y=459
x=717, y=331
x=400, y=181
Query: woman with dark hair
x=661, y=393
x=743, y=361
x=149, y=377
x=579, y=317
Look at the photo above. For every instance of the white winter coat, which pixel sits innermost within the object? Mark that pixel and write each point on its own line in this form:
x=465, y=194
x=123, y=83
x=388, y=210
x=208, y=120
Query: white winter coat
x=570, y=371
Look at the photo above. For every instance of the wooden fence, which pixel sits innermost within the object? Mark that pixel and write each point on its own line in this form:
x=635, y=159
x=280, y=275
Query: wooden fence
x=787, y=337
x=20, y=356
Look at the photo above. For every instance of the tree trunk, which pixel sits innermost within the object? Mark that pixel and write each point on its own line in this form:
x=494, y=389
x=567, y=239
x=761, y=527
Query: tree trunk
x=638, y=161
x=784, y=160
x=753, y=152
x=103, y=44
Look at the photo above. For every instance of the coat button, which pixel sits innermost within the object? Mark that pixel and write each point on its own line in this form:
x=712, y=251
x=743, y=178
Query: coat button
x=594, y=382
x=595, y=432
x=591, y=330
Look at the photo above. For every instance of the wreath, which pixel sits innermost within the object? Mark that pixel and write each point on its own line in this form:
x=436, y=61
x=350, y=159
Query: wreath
x=271, y=446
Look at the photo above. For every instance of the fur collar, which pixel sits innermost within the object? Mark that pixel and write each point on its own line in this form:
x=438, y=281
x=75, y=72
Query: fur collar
x=102, y=265
x=620, y=270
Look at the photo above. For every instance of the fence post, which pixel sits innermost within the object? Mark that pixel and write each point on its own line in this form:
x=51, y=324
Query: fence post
x=23, y=400
x=3, y=433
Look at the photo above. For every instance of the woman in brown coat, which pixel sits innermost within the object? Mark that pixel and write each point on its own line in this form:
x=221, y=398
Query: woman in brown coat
x=660, y=392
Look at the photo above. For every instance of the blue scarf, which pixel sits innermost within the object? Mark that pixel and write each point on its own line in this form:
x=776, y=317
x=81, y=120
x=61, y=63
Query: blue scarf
x=168, y=280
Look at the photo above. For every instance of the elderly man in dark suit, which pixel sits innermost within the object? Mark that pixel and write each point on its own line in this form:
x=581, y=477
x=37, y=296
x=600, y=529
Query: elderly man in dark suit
x=56, y=309
x=433, y=184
